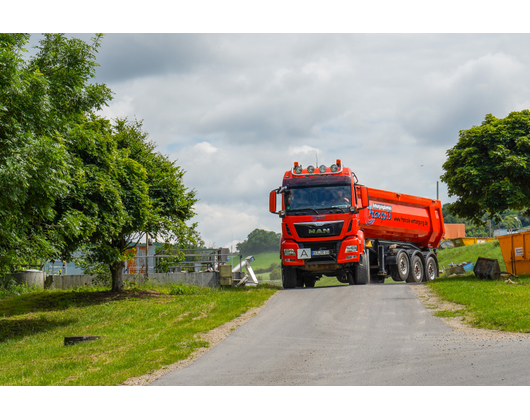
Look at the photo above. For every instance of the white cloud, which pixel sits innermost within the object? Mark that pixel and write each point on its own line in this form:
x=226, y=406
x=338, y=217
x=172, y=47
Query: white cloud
x=205, y=147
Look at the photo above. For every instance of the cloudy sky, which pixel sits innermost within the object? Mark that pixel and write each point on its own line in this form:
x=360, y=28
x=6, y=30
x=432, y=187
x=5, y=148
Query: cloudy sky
x=236, y=110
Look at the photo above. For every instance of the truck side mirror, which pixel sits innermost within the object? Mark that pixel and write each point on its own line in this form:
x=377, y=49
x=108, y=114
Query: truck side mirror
x=364, y=196
x=272, y=202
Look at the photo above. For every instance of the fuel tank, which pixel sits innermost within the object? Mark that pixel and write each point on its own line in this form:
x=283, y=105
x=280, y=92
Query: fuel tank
x=401, y=217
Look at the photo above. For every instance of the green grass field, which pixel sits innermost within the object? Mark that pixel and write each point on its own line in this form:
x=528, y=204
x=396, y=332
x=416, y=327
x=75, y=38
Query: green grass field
x=142, y=331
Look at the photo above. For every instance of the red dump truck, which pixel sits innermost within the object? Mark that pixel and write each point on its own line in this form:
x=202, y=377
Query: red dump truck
x=334, y=226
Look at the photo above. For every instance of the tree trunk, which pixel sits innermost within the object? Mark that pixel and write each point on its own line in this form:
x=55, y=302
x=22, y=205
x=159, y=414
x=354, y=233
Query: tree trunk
x=116, y=270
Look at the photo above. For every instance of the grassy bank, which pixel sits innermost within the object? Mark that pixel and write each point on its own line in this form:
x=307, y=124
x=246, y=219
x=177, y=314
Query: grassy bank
x=141, y=330
x=491, y=304
x=471, y=253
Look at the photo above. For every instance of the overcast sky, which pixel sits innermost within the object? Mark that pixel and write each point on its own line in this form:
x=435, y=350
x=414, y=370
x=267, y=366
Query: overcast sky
x=237, y=110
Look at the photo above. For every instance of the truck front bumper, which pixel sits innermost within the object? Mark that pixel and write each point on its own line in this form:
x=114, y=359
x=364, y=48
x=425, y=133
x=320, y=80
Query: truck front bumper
x=321, y=253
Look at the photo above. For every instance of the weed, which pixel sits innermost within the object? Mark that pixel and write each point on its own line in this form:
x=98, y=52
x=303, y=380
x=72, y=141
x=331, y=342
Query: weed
x=450, y=313
x=181, y=289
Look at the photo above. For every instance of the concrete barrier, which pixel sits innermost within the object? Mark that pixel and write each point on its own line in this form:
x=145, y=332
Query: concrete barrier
x=31, y=278
x=207, y=279
x=69, y=281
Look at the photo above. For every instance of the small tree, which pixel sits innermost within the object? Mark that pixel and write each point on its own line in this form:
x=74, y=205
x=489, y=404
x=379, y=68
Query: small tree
x=488, y=170
x=122, y=188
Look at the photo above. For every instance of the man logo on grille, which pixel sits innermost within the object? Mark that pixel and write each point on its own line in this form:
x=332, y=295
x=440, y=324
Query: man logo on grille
x=317, y=231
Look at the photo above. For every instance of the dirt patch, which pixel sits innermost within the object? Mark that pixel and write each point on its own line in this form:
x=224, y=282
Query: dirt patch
x=433, y=303
x=213, y=337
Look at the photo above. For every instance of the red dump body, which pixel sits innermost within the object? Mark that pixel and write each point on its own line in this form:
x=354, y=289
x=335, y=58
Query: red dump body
x=401, y=217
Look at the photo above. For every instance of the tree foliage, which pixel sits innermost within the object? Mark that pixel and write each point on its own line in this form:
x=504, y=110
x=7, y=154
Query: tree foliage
x=122, y=188
x=259, y=240
x=488, y=170
x=40, y=99
x=72, y=180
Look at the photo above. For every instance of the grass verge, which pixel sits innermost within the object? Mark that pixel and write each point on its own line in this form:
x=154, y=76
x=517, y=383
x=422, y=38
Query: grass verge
x=490, y=304
x=142, y=331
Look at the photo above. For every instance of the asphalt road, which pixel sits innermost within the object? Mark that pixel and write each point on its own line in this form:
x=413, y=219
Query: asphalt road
x=377, y=334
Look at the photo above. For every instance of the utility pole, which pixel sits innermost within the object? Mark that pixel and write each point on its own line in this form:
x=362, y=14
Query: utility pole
x=146, y=254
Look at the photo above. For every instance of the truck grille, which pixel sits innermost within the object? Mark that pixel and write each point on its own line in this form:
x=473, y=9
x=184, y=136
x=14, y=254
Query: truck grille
x=318, y=230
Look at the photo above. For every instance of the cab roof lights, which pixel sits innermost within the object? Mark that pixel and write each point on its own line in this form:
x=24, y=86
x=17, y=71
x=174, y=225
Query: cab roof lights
x=335, y=168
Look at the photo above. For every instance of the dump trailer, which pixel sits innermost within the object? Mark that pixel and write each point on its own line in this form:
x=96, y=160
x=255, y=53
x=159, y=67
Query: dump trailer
x=334, y=226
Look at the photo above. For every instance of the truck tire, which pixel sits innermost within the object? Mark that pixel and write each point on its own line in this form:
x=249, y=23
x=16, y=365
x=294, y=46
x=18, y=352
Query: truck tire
x=416, y=270
x=289, y=277
x=400, y=271
x=362, y=276
x=431, y=268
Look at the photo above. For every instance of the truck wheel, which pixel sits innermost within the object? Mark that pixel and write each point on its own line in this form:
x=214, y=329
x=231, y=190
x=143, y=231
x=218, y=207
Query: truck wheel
x=416, y=270
x=400, y=272
x=430, y=269
x=362, y=276
x=289, y=277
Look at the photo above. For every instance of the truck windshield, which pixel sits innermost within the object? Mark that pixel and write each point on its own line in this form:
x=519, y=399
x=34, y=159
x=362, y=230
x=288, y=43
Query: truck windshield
x=322, y=197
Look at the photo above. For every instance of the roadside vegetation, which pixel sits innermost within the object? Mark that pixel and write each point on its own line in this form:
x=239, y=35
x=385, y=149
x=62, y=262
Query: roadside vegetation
x=493, y=304
x=471, y=253
x=142, y=330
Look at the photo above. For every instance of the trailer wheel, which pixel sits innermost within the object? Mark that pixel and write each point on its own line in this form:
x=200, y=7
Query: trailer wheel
x=289, y=277
x=416, y=270
x=400, y=271
x=430, y=269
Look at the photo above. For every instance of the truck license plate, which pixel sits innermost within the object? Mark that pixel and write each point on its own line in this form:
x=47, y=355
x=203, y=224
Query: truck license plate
x=321, y=252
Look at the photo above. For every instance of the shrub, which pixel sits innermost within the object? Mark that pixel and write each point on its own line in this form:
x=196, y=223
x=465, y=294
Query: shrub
x=276, y=274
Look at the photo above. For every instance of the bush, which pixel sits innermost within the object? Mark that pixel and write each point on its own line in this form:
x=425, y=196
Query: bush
x=276, y=273
x=9, y=287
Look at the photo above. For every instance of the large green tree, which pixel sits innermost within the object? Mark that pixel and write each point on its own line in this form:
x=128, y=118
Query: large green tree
x=40, y=100
x=120, y=188
x=488, y=170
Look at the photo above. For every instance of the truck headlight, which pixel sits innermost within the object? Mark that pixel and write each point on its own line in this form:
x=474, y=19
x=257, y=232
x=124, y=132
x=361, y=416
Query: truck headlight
x=351, y=248
x=288, y=251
